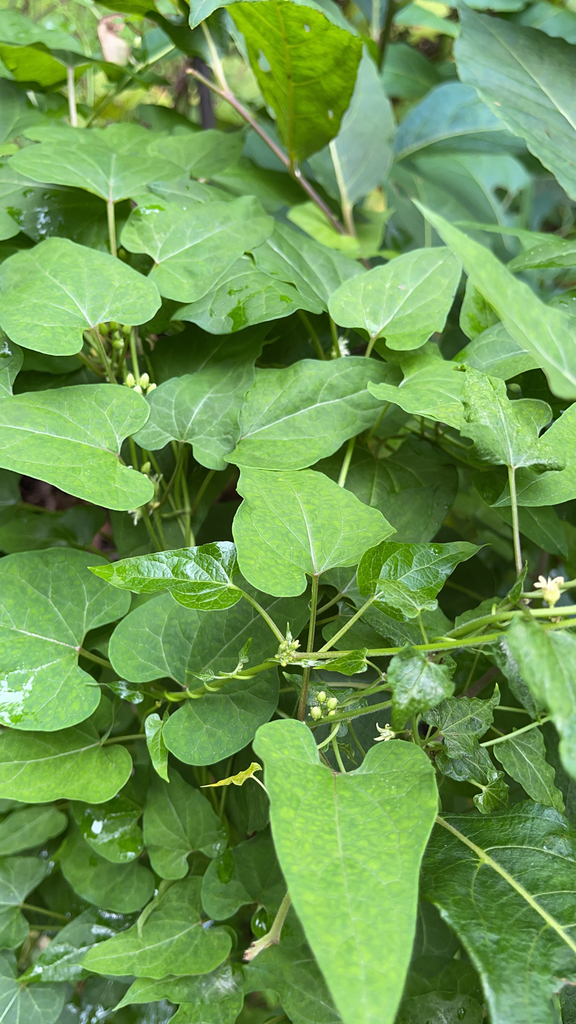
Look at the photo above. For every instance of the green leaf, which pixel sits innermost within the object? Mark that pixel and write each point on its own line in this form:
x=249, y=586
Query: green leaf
x=163, y=639
x=202, y=407
x=407, y=74
x=25, y=827
x=11, y=359
x=505, y=883
x=474, y=765
x=54, y=292
x=545, y=332
x=214, y=998
x=178, y=819
x=93, y=160
x=172, y=940
x=111, y=829
x=201, y=154
x=505, y=433
x=494, y=352
x=66, y=765
x=404, y=301
x=293, y=524
x=405, y=578
x=433, y=390
x=549, y=487
x=525, y=78
x=462, y=720
x=417, y=684
x=414, y=488
x=196, y=577
x=119, y=887
x=194, y=248
x=295, y=416
x=312, y=268
x=71, y=437
x=305, y=67
x=555, y=252
x=523, y=757
x=242, y=297
x=360, y=838
x=545, y=660
x=291, y=970
x=247, y=874
x=22, y=529
x=40, y=1004
x=48, y=603
x=154, y=728
x=18, y=876
x=62, y=959
x=476, y=315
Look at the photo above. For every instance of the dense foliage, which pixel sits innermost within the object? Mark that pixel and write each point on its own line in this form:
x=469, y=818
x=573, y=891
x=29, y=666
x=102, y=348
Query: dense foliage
x=287, y=512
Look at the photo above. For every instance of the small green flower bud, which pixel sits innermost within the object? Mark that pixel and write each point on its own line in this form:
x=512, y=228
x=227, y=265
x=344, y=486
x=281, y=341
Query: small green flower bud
x=137, y=389
x=126, y=328
x=93, y=352
x=145, y=468
x=151, y=387
x=103, y=329
x=330, y=713
x=144, y=381
x=114, y=326
x=332, y=703
x=321, y=697
x=315, y=713
x=130, y=381
x=118, y=344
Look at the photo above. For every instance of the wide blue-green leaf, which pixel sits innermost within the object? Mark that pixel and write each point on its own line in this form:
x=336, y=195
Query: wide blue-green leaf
x=495, y=353
x=171, y=941
x=432, y=389
x=545, y=332
x=178, y=819
x=25, y=827
x=295, y=416
x=121, y=888
x=404, y=301
x=196, y=577
x=305, y=67
x=217, y=996
x=405, y=578
x=48, y=602
x=505, y=433
x=200, y=154
x=67, y=765
x=193, y=248
x=247, y=874
x=38, y=1004
x=71, y=437
x=294, y=525
x=111, y=829
x=18, y=876
x=54, y=292
x=417, y=684
x=350, y=848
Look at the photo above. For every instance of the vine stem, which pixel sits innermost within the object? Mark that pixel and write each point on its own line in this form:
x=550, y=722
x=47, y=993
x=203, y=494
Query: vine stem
x=72, y=97
x=309, y=648
x=111, y=226
x=47, y=913
x=270, y=622
x=123, y=739
x=535, y=613
x=93, y=657
x=517, y=732
x=515, y=522
x=485, y=858
x=346, y=462
x=272, y=938
x=346, y=627
x=225, y=93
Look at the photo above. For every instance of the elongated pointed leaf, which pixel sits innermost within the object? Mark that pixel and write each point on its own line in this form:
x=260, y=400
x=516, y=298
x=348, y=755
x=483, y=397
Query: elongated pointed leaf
x=296, y=416
x=526, y=79
x=434, y=391
x=404, y=301
x=71, y=437
x=510, y=898
x=67, y=765
x=523, y=757
x=494, y=352
x=291, y=525
x=172, y=940
x=331, y=829
x=196, y=577
x=54, y=292
x=192, y=249
x=47, y=605
x=405, y=578
x=29, y=826
x=200, y=154
x=178, y=819
x=547, y=333
x=305, y=67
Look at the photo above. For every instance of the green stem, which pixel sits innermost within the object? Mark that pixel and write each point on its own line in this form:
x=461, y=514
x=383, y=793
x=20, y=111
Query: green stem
x=124, y=739
x=309, y=647
x=485, y=858
x=111, y=226
x=313, y=334
x=328, y=740
x=134, y=356
x=279, y=636
x=347, y=626
x=385, y=36
x=200, y=491
x=93, y=657
x=336, y=353
x=272, y=938
x=512, y=735
x=47, y=913
x=515, y=522
x=103, y=356
x=422, y=630
x=346, y=462
x=338, y=755
x=71, y=97
x=371, y=344
x=368, y=710
x=535, y=613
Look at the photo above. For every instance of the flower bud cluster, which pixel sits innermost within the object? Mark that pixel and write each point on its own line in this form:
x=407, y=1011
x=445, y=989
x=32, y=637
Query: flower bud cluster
x=325, y=708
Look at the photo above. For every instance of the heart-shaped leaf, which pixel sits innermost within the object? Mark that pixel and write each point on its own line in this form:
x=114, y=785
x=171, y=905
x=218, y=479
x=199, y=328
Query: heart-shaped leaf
x=192, y=249
x=18, y=876
x=504, y=432
x=54, y=292
x=200, y=154
x=360, y=837
x=295, y=416
x=122, y=888
x=172, y=940
x=36, y=1004
x=111, y=829
x=67, y=765
x=71, y=437
x=291, y=525
x=417, y=684
x=196, y=577
x=405, y=578
x=25, y=827
x=218, y=995
x=247, y=874
x=434, y=390
x=404, y=301
x=178, y=819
